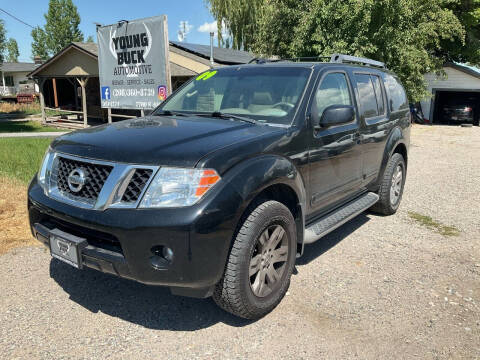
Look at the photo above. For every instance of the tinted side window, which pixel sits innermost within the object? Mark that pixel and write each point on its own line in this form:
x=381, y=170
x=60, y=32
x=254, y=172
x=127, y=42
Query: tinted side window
x=366, y=95
x=332, y=91
x=396, y=94
x=379, y=94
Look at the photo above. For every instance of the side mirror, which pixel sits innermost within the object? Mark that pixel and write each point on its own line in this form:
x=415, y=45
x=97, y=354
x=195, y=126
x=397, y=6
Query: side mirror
x=337, y=115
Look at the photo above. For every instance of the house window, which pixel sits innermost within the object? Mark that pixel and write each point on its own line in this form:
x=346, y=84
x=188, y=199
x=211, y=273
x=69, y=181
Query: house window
x=8, y=80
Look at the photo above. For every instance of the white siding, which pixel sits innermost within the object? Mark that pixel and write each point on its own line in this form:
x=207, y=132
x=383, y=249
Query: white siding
x=19, y=76
x=455, y=80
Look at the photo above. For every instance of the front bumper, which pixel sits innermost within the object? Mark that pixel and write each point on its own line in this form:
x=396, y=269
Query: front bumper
x=124, y=242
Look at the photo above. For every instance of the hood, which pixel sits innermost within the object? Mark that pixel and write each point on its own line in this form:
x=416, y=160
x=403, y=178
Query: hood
x=154, y=140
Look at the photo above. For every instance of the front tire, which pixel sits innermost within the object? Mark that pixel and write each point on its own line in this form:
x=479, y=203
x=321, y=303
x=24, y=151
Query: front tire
x=260, y=263
x=391, y=187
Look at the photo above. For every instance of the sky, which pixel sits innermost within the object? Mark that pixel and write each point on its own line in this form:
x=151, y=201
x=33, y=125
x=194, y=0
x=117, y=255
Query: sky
x=108, y=12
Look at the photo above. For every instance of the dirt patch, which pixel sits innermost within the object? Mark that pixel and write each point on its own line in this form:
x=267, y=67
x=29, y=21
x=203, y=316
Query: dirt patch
x=13, y=216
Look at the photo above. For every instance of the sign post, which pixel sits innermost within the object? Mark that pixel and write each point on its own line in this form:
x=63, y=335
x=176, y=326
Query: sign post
x=133, y=63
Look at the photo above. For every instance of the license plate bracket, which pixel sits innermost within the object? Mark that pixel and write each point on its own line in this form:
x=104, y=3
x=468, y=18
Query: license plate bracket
x=67, y=247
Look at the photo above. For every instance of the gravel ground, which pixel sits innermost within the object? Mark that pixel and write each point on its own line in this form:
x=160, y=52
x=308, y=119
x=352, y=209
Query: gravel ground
x=378, y=287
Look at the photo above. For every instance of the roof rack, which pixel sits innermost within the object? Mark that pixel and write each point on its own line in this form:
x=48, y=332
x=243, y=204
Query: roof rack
x=307, y=58
x=341, y=58
x=263, y=60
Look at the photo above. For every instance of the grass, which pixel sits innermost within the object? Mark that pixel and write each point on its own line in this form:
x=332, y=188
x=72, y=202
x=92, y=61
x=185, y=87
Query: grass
x=34, y=108
x=427, y=221
x=14, y=216
x=25, y=126
x=20, y=158
x=25, y=109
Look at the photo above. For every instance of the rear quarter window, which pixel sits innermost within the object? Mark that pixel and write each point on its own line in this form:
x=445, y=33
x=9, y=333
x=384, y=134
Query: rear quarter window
x=397, y=98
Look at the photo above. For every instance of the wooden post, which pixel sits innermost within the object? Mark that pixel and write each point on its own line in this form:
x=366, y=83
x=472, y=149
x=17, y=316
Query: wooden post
x=83, y=83
x=41, y=82
x=76, y=94
x=109, y=111
x=55, y=98
x=3, y=82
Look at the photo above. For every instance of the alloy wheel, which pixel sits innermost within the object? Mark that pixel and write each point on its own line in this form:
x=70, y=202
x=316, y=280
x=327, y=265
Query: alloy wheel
x=397, y=183
x=268, y=261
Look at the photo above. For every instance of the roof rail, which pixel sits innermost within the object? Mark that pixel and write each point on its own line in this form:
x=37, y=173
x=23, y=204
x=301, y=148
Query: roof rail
x=263, y=60
x=307, y=58
x=341, y=58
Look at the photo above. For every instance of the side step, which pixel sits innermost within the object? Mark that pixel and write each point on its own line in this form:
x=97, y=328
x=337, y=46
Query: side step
x=339, y=217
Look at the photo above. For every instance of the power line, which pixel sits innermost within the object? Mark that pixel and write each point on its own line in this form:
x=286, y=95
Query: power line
x=13, y=16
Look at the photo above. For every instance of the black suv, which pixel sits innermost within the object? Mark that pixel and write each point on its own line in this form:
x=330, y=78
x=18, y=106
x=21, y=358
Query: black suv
x=218, y=190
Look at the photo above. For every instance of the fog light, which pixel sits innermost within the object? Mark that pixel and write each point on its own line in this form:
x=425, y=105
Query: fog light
x=162, y=257
x=167, y=253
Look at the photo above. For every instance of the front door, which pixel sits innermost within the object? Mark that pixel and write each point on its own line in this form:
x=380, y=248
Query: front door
x=335, y=158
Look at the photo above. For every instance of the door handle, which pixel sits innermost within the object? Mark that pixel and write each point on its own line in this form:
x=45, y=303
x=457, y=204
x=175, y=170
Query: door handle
x=357, y=137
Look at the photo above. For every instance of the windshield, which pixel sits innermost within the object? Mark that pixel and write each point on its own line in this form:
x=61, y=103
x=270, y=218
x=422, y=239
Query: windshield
x=265, y=94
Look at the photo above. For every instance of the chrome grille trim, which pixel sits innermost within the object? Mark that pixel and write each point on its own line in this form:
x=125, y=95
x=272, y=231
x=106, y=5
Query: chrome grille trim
x=113, y=189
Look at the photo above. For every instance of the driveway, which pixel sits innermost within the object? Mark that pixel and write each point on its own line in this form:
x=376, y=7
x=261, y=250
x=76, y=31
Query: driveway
x=378, y=287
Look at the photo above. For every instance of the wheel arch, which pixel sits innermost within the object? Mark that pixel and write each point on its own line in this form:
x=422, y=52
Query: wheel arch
x=396, y=143
x=271, y=178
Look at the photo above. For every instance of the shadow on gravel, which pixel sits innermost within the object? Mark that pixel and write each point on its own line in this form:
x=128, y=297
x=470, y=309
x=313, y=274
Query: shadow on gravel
x=153, y=307
x=312, y=251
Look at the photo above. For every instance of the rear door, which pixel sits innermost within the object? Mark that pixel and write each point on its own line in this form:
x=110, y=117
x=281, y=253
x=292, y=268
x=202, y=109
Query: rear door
x=376, y=121
x=375, y=125
x=335, y=159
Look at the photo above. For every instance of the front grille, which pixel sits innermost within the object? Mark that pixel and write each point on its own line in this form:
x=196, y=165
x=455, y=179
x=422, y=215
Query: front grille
x=136, y=185
x=96, y=176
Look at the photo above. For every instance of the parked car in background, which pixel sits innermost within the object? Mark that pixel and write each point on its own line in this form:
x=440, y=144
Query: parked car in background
x=219, y=189
x=459, y=113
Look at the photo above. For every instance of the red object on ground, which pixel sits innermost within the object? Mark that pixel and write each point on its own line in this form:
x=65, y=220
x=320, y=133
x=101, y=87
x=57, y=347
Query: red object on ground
x=25, y=98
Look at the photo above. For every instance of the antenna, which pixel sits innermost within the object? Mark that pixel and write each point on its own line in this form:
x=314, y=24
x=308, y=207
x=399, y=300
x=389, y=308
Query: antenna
x=185, y=28
x=212, y=34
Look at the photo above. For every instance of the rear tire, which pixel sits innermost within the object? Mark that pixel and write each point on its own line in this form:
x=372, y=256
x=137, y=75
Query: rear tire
x=391, y=187
x=260, y=264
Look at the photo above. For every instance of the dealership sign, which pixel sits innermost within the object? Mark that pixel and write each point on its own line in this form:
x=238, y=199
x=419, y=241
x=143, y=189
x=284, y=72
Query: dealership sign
x=133, y=63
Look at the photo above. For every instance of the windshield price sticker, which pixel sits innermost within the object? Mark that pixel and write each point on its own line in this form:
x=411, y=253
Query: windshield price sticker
x=206, y=75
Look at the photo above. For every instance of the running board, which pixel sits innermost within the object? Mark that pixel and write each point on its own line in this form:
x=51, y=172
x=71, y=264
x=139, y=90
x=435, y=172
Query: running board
x=339, y=217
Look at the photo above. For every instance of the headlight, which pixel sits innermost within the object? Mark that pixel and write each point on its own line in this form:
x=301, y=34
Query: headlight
x=174, y=187
x=45, y=169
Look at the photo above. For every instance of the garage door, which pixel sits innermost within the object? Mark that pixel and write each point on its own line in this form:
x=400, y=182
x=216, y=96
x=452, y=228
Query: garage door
x=456, y=107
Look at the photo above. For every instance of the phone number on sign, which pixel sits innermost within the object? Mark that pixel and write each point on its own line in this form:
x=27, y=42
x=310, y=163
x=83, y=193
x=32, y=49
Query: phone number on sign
x=134, y=92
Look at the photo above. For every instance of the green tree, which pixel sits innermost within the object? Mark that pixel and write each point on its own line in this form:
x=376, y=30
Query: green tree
x=410, y=36
x=39, y=43
x=240, y=18
x=61, y=28
x=12, y=49
x=90, y=38
x=3, y=40
x=468, y=12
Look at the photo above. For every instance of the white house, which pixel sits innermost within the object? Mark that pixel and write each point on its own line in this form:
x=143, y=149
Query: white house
x=13, y=75
x=461, y=84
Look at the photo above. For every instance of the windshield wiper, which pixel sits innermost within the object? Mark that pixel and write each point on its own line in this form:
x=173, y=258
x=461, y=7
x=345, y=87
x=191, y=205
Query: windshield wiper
x=218, y=114
x=169, y=113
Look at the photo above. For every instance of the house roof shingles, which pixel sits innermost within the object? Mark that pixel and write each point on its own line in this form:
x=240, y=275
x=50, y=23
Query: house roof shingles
x=90, y=47
x=18, y=66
